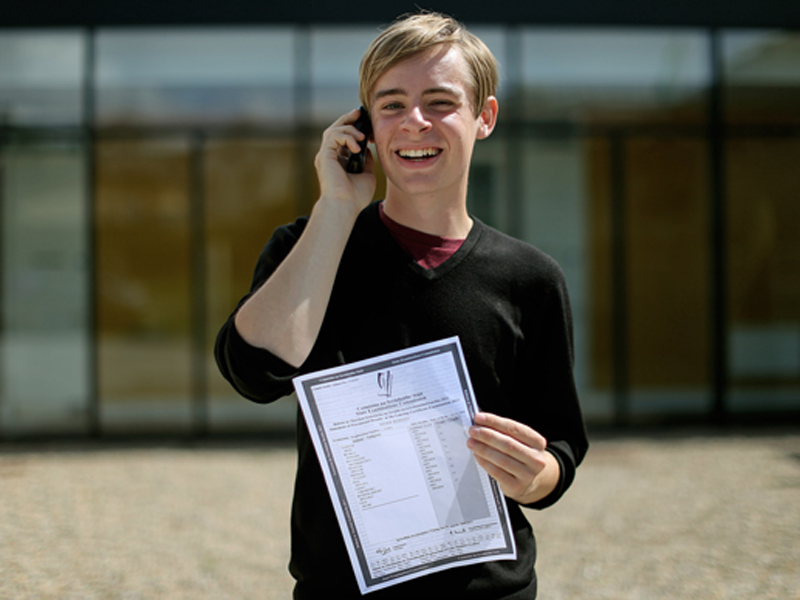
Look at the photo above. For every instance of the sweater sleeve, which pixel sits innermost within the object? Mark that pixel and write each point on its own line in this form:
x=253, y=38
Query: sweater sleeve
x=255, y=373
x=557, y=414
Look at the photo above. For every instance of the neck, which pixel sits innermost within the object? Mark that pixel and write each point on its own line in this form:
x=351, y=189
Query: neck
x=436, y=218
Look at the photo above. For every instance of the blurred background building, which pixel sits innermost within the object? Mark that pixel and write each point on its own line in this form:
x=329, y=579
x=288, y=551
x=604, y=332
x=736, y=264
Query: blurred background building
x=148, y=150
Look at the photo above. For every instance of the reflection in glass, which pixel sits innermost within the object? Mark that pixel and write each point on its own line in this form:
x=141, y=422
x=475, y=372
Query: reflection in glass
x=764, y=265
x=600, y=76
x=634, y=105
x=600, y=298
x=762, y=77
x=657, y=299
x=496, y=40
x=41, y=78
x=556, y=187
x=335, y=57
x=251, y=188
x=667, y=268
x=143, y=284
x=235, y=77
x=44, y=339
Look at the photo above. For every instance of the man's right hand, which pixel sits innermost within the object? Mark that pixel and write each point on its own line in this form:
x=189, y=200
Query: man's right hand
x=336, y=183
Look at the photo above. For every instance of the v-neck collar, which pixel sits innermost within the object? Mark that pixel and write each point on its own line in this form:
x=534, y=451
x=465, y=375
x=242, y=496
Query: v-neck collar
x=448, y=265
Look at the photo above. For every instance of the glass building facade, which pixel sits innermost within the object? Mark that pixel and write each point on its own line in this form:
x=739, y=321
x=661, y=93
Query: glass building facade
x=142, y=170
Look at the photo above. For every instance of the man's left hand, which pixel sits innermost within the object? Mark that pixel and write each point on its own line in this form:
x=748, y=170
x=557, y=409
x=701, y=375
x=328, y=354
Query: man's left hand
x=515, y=456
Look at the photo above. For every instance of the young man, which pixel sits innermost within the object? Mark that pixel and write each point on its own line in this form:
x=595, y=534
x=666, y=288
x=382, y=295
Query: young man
x=358, y=279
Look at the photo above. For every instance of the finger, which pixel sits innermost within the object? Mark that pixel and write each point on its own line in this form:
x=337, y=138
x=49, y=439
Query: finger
x=485, y=423
x=347, y=118
x=500, y=458
x=508, y=444
x=515, y=474
x=508, y=481
x=346, y=136
x=506, y=452
x=515, y=479
x=345, y=124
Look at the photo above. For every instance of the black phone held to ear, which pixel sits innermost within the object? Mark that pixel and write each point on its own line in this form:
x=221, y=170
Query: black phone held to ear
x=355, y=163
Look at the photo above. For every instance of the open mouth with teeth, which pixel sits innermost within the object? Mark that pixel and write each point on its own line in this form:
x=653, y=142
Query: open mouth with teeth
x=420, y=154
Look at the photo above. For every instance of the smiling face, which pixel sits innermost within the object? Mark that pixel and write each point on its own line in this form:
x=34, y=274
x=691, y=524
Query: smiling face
x=425, y=128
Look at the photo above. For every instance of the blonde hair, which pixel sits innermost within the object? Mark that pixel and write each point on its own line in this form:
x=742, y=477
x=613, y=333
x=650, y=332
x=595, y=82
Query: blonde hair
x=412, y=34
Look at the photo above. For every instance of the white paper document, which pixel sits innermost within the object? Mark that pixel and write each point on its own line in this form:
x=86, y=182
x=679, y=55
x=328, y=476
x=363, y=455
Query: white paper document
x=391, y=436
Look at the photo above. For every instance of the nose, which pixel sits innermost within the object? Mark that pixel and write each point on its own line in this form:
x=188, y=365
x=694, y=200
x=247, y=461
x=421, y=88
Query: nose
x=415, y=120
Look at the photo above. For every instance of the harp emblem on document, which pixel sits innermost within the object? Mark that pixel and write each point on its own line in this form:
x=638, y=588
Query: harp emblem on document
x=385, y=383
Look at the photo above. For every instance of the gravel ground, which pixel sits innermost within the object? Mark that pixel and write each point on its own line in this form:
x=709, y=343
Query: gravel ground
x=680, y=516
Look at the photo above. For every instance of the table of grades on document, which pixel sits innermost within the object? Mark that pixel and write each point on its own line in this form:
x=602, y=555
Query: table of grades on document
x=391, y=435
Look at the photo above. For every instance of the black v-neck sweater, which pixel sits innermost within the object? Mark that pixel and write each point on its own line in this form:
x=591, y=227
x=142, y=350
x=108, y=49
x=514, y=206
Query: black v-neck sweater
x=508, y=304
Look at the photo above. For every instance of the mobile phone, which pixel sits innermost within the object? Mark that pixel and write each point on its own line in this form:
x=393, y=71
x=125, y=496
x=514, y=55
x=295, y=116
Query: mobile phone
x=355, y=162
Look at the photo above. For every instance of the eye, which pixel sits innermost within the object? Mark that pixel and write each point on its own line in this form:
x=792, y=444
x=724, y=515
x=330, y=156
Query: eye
x=442, y=103
x=392, y=106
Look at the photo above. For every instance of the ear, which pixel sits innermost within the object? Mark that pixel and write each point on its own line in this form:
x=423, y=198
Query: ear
x=488, y=118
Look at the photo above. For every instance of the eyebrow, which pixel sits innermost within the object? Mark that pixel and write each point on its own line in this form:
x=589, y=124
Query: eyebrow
x=401, y=92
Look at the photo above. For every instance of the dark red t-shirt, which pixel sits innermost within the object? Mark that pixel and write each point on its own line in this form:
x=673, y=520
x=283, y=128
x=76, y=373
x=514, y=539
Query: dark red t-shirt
x=429, y=251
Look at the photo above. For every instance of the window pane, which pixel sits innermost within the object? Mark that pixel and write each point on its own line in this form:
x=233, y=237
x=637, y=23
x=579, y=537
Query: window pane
x=251, y=188
x=592, y=76
x=41, y=78
x=240, y=76
x=764, y=272
x=599, y=339
x=660, y=303
x=495, y=39
x=666, y=184
x=556, y=186
x=762, y=77
x=143, y=284
x=335, y=57
x=44, y=355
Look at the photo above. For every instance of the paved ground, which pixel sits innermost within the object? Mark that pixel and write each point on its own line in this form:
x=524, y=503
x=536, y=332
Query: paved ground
x=680, y=516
